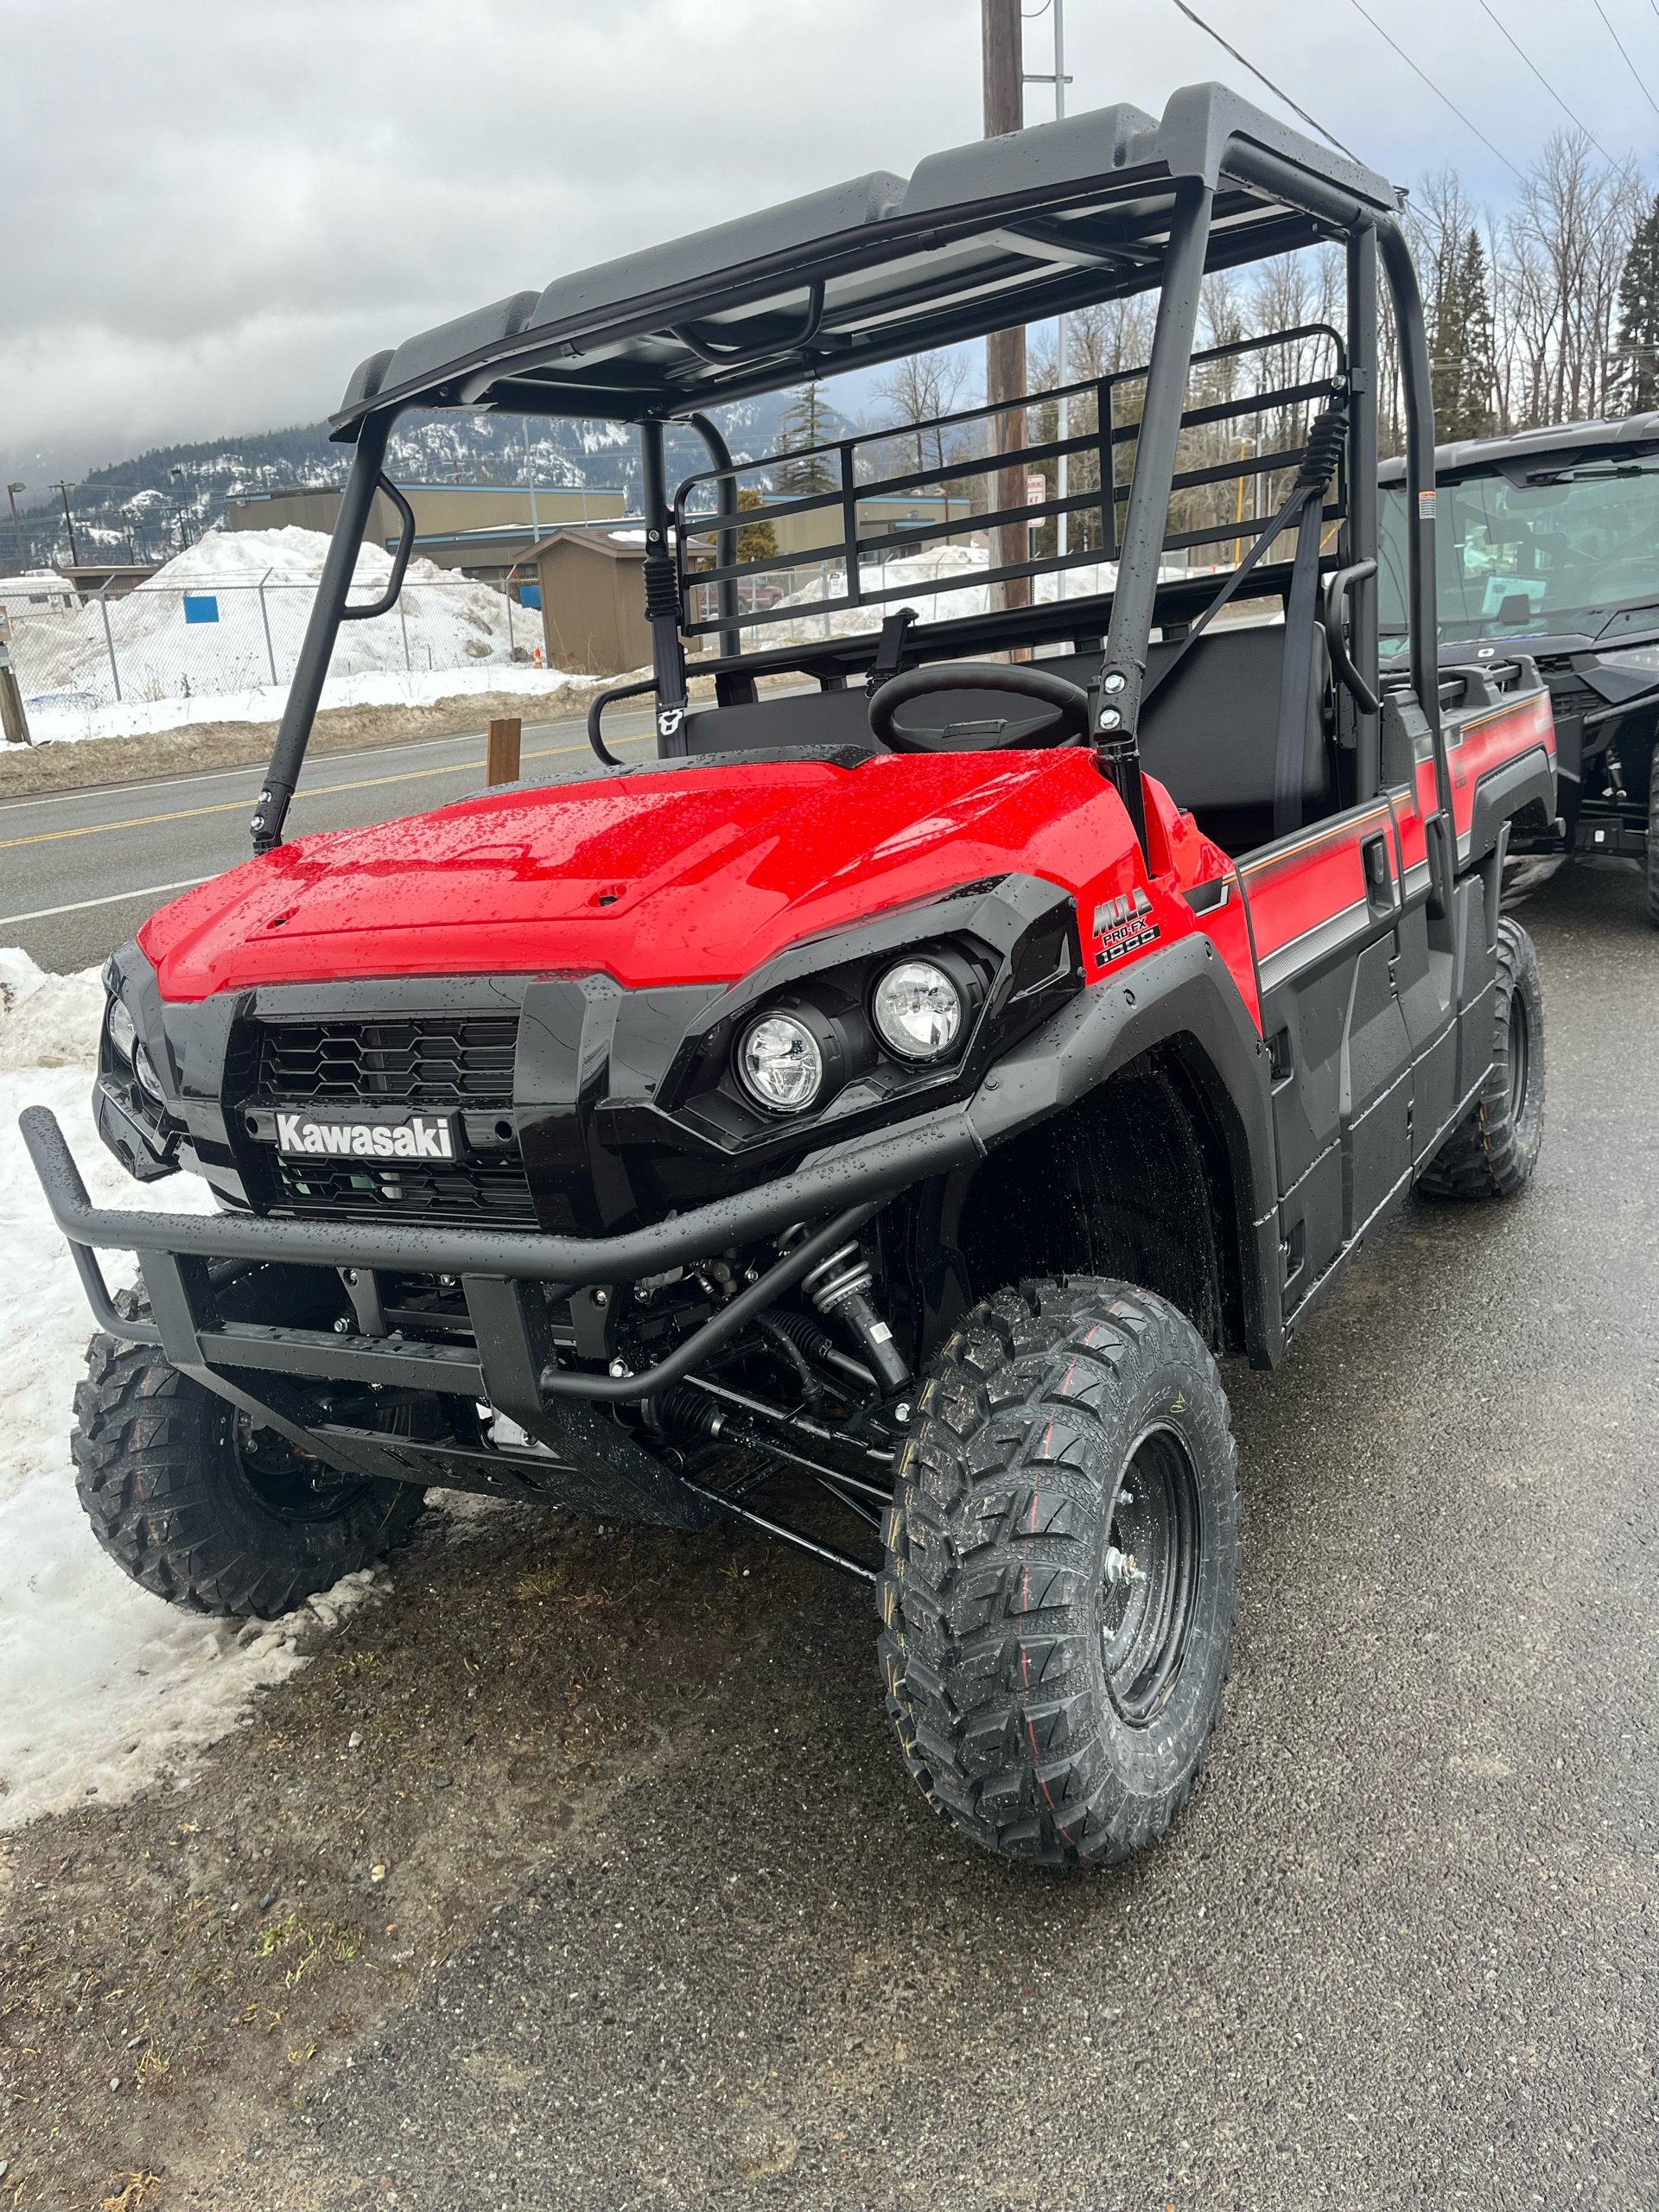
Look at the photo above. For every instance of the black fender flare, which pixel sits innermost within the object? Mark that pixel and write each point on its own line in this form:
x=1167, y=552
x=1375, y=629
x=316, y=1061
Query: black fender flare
x=1183, y=997
x=1501, y=794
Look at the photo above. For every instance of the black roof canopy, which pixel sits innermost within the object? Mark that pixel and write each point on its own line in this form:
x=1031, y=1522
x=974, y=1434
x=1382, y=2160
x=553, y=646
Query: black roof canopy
x=999, y=232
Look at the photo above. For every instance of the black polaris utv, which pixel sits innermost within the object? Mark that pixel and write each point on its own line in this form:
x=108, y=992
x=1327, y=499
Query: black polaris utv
x=1549, y=552
x=890, y=1101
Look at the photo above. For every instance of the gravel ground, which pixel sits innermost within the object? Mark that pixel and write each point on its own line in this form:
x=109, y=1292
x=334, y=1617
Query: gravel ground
x=663, y=1924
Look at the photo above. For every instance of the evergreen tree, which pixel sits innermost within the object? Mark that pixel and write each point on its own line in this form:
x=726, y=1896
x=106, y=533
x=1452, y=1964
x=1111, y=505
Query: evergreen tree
x=805, y=423
x=1460, y=341
x=756, y=541
x=1638, y=319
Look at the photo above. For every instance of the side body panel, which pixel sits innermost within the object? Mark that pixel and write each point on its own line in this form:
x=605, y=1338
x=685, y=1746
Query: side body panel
x=1323, y=907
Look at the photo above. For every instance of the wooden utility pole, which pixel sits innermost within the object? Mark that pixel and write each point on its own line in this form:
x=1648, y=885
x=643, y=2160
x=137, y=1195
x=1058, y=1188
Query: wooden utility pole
x=1005, y=350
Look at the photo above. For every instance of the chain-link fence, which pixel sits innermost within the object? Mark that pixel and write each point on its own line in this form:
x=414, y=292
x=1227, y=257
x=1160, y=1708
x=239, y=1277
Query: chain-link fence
x=165, y=642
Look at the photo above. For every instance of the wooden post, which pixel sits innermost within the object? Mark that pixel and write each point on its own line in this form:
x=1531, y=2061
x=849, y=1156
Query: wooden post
x=502, y=756
x=14, y=723
x=1005, y=350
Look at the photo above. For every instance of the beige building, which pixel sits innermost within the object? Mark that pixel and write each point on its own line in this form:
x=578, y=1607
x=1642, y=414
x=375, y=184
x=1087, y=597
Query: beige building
x=817, y=533
x=593, y=590
x=483, y=529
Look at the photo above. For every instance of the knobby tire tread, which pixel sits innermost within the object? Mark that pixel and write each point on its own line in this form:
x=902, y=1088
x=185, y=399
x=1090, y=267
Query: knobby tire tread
x=986, y=1603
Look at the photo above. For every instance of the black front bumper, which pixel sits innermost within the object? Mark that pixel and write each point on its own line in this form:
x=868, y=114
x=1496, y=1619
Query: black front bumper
x=511, y=1363
x=494, y=1266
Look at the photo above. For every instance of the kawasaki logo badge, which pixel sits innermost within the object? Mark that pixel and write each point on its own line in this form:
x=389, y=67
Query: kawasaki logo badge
x=423, y=1136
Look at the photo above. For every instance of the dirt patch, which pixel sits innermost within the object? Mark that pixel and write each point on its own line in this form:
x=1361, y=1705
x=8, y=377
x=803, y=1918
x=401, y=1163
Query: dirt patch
x=177, y=1973
x=232, y=745
x=98, y=761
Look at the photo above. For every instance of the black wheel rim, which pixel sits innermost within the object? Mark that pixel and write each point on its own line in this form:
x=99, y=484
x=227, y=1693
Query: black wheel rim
x=287, y=1481
x=1519, y=1050
x=1149, y=1578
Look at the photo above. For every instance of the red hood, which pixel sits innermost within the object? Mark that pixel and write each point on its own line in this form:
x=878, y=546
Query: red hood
x=692, y=876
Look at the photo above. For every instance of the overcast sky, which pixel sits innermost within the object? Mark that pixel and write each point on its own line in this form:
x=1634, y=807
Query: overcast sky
x=210, y=212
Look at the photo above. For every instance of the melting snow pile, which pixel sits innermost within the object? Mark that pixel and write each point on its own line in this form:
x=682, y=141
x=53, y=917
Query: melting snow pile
x=102, y=1687
x=939, y=584
x=213, y=636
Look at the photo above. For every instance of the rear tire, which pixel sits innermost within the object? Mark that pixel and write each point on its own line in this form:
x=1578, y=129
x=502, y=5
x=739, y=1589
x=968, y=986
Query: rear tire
x=1653, y=839
x=1062, y=1572
x=1493, y=1150
x=196, y=1505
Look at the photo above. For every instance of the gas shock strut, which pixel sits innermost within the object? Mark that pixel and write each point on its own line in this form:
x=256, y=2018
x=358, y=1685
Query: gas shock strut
x=840, y=1287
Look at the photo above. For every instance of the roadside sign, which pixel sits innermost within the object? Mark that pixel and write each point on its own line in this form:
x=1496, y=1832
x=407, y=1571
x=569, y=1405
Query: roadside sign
x=201, y=606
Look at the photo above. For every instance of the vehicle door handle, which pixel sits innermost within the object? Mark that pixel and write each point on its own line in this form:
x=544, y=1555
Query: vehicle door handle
x=1379, y=877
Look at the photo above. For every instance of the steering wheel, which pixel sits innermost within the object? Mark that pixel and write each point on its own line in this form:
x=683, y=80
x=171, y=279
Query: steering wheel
x=1062, y=718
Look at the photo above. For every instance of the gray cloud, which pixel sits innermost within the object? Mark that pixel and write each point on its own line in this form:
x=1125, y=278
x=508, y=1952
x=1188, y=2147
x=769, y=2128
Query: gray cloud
x=213, y=211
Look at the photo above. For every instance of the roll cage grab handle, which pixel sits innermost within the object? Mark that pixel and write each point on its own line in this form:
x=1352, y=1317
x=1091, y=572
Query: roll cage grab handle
x=1117, y=696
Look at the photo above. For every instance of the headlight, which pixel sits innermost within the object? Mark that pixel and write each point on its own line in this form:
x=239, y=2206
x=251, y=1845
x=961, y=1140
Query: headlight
x=144, y=1068
x=122, y=1035
x=1642, y=660
x=779, y=1064
x=918, y=1010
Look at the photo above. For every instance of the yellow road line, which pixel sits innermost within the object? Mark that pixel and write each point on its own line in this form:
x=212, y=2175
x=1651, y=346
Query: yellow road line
x=317, y=790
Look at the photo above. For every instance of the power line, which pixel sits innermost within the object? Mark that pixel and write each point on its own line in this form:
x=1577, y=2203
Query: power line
x=1435, y=89
x=1547, y=87
x=1629, y=64
x=1192, y=16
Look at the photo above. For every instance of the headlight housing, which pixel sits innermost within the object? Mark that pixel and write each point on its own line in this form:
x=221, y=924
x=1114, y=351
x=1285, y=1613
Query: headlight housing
x=122, y=1031
x=918, y=1010
x=780, y=1064
x=144, y=1068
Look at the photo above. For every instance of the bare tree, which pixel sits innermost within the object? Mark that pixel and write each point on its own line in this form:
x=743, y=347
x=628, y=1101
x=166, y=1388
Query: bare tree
x=1569, y=236
x=916, y=391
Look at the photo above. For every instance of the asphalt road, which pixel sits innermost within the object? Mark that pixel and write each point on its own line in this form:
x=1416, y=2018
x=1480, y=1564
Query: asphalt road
x=1400, y=1952
x=81, y=870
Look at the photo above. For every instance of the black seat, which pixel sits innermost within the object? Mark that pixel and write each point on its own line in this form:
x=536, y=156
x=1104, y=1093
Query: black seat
x=1211, y=736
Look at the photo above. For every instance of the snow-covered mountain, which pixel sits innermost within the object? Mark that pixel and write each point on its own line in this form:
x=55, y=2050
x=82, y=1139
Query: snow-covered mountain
x=151, y=506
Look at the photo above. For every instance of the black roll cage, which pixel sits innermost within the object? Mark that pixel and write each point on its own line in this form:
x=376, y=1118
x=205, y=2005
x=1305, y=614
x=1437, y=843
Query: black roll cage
x=1217, y=184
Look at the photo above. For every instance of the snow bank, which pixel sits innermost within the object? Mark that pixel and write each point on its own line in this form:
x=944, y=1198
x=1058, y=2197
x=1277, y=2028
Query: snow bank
x=72, y=721
x=102, y=1688
x=225, y=620
x=939, y=584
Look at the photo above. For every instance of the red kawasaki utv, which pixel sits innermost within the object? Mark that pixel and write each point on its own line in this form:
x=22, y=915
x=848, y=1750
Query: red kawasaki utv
x=892, y=1100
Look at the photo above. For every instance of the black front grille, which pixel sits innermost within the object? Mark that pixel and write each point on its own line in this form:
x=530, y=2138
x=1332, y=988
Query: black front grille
x=436, y=1060
x=438, y=1063
x=492, y=1193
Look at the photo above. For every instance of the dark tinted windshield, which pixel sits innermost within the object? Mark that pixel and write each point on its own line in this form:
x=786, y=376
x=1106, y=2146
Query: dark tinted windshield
x=1541, y=558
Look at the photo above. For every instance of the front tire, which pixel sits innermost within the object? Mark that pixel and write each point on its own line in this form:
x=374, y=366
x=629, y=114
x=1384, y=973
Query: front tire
x=1493, y=1150
x=1062, y=1572
x=205, y=1511
x=1653, y=839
